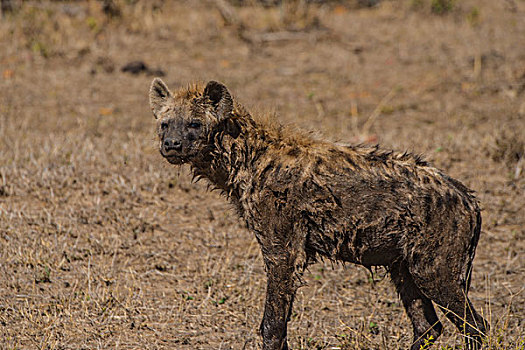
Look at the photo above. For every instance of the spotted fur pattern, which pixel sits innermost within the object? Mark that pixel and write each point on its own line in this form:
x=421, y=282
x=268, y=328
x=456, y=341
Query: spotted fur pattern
x=306, y=199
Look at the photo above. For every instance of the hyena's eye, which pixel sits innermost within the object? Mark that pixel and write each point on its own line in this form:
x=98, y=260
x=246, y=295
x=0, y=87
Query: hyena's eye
x=195, y=124
x=163, y=125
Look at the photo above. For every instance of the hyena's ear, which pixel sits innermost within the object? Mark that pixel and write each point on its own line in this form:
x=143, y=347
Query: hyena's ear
x=220, y=98
x=158, y=96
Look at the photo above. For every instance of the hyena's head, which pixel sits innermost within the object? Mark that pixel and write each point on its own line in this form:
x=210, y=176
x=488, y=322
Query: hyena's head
x=185, y=120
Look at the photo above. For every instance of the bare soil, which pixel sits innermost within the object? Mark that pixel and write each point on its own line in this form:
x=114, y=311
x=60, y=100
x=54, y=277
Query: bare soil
x=105, y=245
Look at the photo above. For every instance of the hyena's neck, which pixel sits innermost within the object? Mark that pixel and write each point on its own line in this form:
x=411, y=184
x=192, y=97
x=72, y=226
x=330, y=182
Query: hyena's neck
x=236, y=146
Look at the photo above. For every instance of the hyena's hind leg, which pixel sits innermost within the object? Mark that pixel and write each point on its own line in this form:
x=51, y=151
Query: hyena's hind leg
x=449, y=292
x=455, y=304
x=419, y=308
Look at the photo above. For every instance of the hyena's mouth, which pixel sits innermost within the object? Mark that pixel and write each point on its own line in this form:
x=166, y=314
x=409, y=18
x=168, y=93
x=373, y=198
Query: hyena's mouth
x=175, y=159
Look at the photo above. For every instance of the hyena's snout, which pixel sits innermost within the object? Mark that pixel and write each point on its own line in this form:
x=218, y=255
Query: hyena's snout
x=172, y=144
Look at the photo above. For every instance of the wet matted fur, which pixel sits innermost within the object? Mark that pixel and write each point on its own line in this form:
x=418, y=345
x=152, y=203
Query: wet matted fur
x=305, y=198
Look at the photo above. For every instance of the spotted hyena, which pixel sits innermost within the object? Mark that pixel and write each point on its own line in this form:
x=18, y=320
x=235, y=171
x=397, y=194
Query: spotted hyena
x=306, y=199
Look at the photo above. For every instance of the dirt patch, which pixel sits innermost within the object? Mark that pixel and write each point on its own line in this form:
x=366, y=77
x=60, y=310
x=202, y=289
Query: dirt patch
x=103, y=244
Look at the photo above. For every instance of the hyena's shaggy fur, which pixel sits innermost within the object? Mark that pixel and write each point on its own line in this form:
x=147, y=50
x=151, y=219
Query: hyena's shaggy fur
x=305, y=198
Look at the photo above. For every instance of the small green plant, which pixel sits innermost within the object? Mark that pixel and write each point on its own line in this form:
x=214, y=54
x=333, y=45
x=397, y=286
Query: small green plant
x=40, y=48
x=373, y=327
x=92, y=24
x=388, y=109
x=44, y=276
x=427, y=343
x=442, y=7
x=473, y=17
x=187, y=296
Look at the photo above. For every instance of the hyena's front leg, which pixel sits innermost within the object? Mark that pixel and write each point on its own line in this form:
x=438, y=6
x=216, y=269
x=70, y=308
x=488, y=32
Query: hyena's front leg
x=280, y=293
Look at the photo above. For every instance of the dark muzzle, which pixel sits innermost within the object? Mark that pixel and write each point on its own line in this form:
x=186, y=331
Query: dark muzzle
x=172, y=145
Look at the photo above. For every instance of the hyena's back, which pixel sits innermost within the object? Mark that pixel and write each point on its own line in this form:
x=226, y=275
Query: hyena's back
x=368, y=206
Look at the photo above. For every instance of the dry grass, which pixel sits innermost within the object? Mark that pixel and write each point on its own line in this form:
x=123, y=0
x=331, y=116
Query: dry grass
x=103, y=245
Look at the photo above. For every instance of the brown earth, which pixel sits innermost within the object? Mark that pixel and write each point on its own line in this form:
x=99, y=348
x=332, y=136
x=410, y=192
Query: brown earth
x=105, y=245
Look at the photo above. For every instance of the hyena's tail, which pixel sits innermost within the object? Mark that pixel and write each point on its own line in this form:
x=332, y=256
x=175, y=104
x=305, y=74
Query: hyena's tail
x=475, y=231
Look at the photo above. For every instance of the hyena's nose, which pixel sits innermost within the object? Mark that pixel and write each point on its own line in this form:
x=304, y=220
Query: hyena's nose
x=171, y=144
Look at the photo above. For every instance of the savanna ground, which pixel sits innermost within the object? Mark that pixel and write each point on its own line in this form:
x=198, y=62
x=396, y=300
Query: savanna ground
x=105, y=245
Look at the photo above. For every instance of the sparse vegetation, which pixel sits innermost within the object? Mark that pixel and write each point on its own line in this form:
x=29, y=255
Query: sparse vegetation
x=473, y=16
x=442, y=6
x=438, y=7
x=87, y=203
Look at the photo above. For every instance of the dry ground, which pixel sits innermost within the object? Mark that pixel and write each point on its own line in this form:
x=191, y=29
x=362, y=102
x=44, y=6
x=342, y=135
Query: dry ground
x=104, y=245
